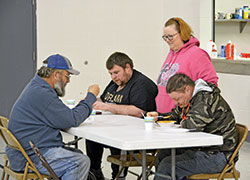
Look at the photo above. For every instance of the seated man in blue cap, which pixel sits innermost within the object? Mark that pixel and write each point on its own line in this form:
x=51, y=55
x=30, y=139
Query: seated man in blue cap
x=39, y=114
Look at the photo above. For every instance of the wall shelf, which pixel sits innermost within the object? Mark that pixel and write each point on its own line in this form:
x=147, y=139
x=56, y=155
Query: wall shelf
x=240, y=67
x=242, y=22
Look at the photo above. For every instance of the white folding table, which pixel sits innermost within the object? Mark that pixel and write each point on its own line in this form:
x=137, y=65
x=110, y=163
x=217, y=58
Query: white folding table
x=128, y=133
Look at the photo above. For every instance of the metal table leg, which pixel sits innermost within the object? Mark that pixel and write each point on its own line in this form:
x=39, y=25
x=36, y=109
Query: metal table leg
x=173, y=163
x=144, y=165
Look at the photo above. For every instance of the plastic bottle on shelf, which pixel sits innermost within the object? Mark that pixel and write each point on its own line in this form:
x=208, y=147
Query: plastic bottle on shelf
x=249, y=13
x=240, y=13
x=212, y=49
x=230, y=50
x=223, y=51
x=245, y=12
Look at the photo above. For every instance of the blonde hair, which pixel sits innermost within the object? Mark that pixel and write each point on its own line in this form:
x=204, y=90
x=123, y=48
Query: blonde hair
x=182, y=27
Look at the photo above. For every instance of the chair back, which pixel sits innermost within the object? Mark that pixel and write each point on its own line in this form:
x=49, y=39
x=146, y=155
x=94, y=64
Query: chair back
x=229, y=171
x=4, y=123
x=133, y=159
x=12, y=142
x=242, y=132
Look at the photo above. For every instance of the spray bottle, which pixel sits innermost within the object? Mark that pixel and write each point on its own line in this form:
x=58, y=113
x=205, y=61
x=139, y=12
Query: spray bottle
x=230, y=50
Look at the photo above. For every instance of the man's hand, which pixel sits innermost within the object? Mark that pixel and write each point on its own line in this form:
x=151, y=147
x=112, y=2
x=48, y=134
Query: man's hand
x=99, y=105
x=94, y=89
x=152, y=114
x=118, y=108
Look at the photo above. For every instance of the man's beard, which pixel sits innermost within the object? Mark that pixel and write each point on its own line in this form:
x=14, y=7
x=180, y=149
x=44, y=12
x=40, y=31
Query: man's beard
x=124, y=81
x=60, y=88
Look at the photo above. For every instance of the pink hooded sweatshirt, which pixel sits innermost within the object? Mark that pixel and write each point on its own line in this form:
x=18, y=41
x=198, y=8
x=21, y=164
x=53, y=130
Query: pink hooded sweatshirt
x=189, y=59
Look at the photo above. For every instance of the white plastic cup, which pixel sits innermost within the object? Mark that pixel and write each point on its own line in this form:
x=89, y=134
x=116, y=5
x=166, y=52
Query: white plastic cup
x=71, y=103
x=149, y=122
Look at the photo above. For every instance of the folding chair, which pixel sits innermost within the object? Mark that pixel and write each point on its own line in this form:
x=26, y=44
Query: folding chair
x=46, y=165
x=229, y=171
x=30, y=171
x=43, y=160
x=133, y=160
x=3, y=122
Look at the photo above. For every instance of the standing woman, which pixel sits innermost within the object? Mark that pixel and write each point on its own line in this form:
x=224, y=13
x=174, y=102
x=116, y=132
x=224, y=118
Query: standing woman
x=185, y=56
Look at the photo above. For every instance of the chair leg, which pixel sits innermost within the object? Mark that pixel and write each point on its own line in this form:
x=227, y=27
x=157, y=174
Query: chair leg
x=234, y=173
x=147, y=173
x=119, y=173
x=26, y=171
x=131, y=172
x=2, y=178
x=3, y=175
x=148, y=168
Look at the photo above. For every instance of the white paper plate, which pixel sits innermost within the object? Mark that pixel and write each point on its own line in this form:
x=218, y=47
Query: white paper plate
x=166, y=125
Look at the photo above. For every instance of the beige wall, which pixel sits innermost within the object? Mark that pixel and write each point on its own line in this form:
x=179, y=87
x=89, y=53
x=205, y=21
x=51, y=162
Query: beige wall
x=91, y=30
x=235, y=88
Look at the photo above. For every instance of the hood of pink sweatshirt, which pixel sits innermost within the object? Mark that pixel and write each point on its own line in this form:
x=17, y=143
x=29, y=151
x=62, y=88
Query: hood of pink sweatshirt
x=192, y=42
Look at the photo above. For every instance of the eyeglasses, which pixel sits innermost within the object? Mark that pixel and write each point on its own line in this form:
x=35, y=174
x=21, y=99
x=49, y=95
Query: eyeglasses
x=169, y=37
x=66, y=75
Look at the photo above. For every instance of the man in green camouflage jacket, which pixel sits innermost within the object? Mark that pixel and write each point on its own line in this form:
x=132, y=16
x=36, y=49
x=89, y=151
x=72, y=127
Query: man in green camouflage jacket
x=199, y=106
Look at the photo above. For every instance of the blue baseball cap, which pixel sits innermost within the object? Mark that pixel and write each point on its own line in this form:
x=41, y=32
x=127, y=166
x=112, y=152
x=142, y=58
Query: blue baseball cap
x=60, y=62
